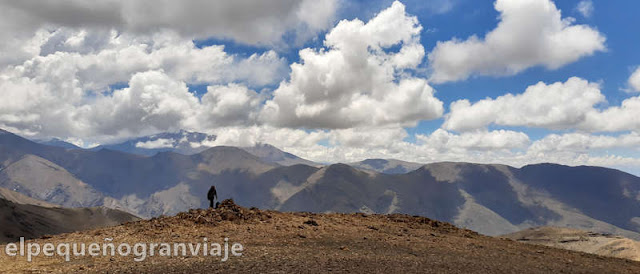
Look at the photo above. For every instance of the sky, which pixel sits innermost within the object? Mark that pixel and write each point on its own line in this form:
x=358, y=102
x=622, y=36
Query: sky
x=514, y=82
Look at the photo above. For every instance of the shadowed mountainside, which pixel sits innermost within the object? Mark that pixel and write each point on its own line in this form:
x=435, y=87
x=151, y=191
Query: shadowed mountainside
x=387, y=166
x=24, y=217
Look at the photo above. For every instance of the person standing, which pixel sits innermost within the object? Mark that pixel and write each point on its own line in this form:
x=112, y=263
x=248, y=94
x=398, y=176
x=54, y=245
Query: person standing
x=212, y=195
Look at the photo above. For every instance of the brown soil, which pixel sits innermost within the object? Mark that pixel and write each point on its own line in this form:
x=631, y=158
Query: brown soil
x=276, y=242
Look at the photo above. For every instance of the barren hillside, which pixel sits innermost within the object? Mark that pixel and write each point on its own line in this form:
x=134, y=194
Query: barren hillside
x=580, y=240
x=276, y=242
x=21, y=216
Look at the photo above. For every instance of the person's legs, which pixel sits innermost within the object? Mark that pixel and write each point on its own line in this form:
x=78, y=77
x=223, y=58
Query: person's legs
x=211, y=203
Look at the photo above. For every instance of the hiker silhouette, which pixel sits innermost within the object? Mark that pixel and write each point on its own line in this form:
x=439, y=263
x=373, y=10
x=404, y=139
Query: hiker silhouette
x=212, y=195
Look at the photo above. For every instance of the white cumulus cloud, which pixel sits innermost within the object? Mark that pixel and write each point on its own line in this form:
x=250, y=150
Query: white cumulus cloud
x=572, y=105
x=99, y=60
x=152, y=102
x=356, y=80
x=614, y=118
x=246, y=21
x=66, y=88
x=555, y=106
x=230, y=104
x=530, y=33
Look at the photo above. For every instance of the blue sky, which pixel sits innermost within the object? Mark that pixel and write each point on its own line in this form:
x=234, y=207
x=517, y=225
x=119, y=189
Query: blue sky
x=330, y=81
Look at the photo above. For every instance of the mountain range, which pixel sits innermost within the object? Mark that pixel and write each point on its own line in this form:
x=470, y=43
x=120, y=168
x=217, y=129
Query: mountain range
x=490, y=199
x=187, y=143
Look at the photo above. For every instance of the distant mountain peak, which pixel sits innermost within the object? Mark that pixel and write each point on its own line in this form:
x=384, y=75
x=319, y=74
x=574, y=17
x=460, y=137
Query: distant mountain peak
x=272, y=154
x=56, y=142
x=181, y=141
x=265, y=145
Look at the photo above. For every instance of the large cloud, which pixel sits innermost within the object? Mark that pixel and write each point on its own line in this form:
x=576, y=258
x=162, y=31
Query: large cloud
x=530, y=33
x=615, y=118
x=99, y=59
x=153, y=102
x=572, y=105
x=58, y=91
x=253, y=22
x=554, y=106
x=58, y=107
x=230, y=104
x=247, y=21
x=357, y=80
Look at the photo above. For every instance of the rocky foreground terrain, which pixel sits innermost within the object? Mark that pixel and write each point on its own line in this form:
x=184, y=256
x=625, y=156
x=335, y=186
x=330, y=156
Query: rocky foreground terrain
x=276, y=242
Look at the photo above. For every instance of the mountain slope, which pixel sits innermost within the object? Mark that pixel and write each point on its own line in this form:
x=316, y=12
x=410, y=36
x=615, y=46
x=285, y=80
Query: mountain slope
x=601, y=193
x=32, y=221
x=43, y=180
x=18, y=198
x=220, y=159
x=55, y=142
x=387, y=166
x=492, y=199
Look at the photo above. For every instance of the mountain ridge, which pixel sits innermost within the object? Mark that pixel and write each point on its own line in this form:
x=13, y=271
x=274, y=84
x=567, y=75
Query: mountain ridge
x=489, y=198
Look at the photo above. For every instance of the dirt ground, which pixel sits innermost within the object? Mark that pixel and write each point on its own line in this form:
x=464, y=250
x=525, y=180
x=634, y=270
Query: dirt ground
x=276, y=242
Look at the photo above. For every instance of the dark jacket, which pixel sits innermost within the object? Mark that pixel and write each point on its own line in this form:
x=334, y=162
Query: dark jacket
x=212, y=194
